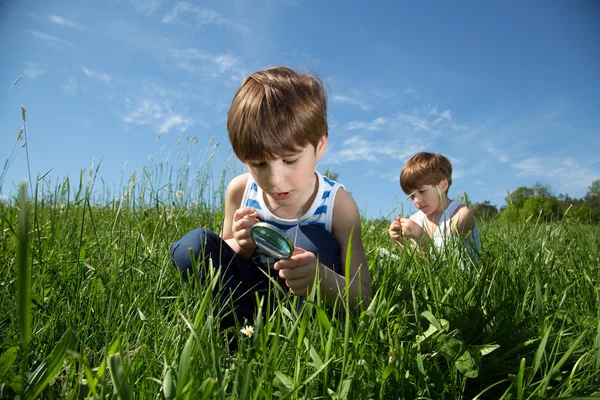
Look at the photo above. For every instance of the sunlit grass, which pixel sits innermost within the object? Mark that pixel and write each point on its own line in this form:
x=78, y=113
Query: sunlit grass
x=109, y=315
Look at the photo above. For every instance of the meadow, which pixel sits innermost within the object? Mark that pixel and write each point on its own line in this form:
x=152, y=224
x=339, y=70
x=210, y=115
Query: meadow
x=90, y=307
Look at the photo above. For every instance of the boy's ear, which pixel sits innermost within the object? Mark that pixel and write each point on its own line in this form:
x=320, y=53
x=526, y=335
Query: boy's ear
x=444, y=185
x=321, y=146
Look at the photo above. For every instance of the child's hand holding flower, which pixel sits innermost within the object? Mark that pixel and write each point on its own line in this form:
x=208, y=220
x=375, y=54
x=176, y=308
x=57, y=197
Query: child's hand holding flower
x=409, y=228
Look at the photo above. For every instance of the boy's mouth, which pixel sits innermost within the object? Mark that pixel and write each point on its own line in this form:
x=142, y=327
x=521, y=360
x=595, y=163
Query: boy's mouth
x=282, y=195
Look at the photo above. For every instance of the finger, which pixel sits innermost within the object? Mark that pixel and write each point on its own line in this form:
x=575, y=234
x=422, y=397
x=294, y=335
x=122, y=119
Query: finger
x=299, y=258
x=242, y=212
x=300, y=291
x=294, y=273
x=298, y=284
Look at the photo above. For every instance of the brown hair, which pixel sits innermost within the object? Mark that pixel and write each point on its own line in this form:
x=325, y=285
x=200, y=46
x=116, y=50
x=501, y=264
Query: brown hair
x=425, y=169
x=276, y=111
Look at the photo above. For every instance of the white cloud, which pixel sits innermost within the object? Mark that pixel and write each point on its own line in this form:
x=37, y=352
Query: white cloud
x=376, y=124
x=175, y=121
x=157, y=114
x=97, y=75
x=566, y=174
x=184, y=12
x=32, y=70
x=55, y=19
x=357, y=148
x=414, y=121
x=71, y=86
x=492, y=150
x=49, y=38
x=193, y=60
x=458, y=173
x=352, y=100
x=145, y=112
x=3, y=198
x=146, y=6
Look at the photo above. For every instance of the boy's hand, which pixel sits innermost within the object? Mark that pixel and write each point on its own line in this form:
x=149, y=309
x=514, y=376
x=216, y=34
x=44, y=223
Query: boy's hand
x=243, y=220
x=298, y=271
x=409, y=228
x=395, y=231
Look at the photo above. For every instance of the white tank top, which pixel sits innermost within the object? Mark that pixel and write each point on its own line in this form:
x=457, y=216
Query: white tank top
x=444, y=228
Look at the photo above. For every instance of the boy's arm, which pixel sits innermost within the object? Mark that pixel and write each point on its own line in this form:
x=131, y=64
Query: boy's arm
x=233, y=200
x=422, y=238
x=346, y=218
x=462, y=222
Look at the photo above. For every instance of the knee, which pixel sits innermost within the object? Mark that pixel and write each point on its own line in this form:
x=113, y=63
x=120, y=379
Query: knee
x=195, y=240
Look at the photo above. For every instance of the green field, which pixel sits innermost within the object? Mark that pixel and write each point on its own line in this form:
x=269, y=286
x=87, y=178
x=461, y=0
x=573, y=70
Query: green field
x=104, y=314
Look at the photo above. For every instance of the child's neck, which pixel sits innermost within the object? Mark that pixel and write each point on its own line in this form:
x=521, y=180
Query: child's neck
x=437, y=214
x=295, y=211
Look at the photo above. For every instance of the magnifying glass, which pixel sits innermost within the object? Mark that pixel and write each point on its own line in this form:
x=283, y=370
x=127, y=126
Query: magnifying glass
x=271, y=240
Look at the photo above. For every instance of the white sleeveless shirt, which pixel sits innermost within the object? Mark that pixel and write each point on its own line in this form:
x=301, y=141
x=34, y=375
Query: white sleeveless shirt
x=444, y=227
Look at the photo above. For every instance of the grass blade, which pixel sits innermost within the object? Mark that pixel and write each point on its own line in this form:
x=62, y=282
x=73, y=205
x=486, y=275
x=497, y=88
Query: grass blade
x=24, y=271
x=119, y=376
x=41, y=377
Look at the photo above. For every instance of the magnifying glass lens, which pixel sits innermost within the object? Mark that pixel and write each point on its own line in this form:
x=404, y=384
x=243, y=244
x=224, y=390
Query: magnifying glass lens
x=271, y=240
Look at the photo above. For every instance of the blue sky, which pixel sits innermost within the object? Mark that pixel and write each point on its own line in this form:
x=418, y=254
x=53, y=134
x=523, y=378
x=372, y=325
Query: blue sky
x=509, y=91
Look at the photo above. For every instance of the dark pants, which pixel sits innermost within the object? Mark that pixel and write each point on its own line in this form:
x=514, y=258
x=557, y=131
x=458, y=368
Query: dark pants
x=241, y=279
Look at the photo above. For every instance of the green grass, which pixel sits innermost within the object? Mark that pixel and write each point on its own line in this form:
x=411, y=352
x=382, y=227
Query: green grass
x=108, y=316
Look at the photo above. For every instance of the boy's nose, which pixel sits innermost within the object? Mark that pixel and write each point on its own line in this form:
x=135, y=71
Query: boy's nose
x=275, y=176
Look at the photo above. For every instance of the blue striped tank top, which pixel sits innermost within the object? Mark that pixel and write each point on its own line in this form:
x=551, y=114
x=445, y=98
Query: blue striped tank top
x=320, y=212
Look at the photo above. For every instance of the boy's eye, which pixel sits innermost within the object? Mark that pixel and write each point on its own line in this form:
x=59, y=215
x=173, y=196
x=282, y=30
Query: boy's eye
x=290, y=162
x=257, y=164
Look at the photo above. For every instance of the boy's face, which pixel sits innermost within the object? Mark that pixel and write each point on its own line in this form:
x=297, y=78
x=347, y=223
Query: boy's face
x=288, y=180
x=427, y=198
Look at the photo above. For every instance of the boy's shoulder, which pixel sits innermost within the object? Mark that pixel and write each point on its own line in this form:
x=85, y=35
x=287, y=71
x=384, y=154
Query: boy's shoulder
x=237, y=185
x=239, y=181
x=463, y=219
x=344, y=204
x=462, y=211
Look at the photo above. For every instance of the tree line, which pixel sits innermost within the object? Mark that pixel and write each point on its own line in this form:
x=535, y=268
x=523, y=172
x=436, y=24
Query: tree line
x=539, y=202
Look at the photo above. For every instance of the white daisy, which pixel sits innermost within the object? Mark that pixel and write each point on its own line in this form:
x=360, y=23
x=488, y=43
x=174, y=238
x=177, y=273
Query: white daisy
x=247, y=330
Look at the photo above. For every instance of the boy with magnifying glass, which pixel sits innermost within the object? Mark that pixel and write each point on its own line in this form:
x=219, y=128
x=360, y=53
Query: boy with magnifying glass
x=277, y=126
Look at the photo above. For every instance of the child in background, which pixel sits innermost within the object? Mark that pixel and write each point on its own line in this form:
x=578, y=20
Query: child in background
x=426, y=177
x=277, y=126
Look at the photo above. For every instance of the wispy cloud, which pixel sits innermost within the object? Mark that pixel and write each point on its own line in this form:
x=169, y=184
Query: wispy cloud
x=191, y=15
x=458, y=173
x=58, y=20
x=424, y=120
x=567, y=173
x=175, y=121
x=96, y=75
x=376, y=124
x=357, y=148
x=354, y=100
x=71, y=86
x=497, y=153
x=146, y=6
x=49, y=38
x=194, y=60
x=32, y=70
x=156, y=114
